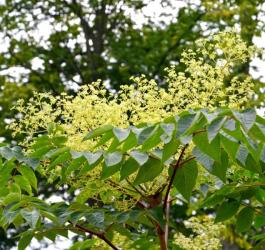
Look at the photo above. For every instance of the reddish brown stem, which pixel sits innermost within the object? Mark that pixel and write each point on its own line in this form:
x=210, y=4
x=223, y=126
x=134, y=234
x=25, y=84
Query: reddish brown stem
x=163, y=233
x=161, y=236
x=173, y=176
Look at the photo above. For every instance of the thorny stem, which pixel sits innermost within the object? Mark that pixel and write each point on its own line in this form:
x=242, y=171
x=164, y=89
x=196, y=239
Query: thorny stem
x=97, y=234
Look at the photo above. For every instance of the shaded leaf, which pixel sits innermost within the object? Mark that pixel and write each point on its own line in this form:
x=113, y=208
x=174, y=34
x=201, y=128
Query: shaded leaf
x=128, y=167
x=147, y=172
x=204, y=159
x=230, y=145
x=244, y=219
x=29, y=175
x=146, y=133
x=211, y=149
x=226, y=210
x=185, y=179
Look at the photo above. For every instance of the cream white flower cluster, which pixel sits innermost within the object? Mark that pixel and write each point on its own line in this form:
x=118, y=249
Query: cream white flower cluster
x=206, y=234
x=207, y=82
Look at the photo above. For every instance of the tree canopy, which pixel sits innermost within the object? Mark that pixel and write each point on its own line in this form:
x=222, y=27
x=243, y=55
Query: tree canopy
x=144, y=167
x=167, y=85
x=65, y=44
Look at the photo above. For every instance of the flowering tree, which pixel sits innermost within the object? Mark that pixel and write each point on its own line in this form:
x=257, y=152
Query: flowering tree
x=148, y=167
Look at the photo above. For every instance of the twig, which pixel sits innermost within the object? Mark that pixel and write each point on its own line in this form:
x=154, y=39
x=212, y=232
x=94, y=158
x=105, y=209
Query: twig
x=188, y=160
x=138, y=202
x=99, y=235
x=120, y=187
x=199, y=131
x=254, y=208
x=136, y=189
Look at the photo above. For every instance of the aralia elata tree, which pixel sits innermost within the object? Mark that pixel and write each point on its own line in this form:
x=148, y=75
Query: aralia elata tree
x=57, y=44
x=148, y=152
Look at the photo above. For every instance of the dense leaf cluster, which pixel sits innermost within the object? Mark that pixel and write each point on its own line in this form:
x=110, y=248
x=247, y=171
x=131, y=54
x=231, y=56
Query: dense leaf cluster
x=221, y=141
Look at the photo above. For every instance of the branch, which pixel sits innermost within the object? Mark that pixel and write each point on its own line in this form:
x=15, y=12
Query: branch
x=97, y=234
x=199, y=131
x=173, y=176
x=188, y=160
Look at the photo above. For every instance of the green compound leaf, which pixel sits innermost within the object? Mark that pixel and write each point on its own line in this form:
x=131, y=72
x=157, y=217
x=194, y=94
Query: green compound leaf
x=62, y=158
x=244, y=219
x=153, y=140
x=130, y=142
x=230, y=145
x=147, y=172
x=93, y=158
x=112, y=159
x=97, y=132
x=203, y=158
x=220, y=169
x=40, y=152
x=246, y=160
x=146, y=133
x=247, y=118
x=215, y=127
x=24, y=242
x=11, y=197
x=168, y=128
x=140, y=157
x=170, y=149
x=185, y=179
x=212, y=149
x=226, y=210
x=23, y=183
x=31, y=216
x=29, y=175
x=184, y=123
x=121, y=134
x=111, y=164
x=128, y=167
x=74, y=165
